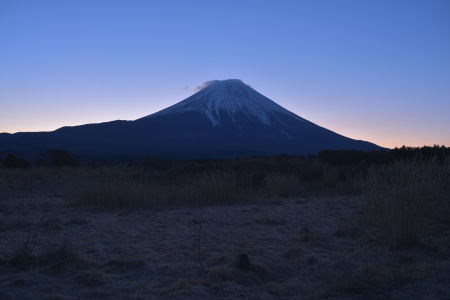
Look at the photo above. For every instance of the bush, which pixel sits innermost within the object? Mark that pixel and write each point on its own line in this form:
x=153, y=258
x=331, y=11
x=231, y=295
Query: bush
x=11, y=161
x=59, y=158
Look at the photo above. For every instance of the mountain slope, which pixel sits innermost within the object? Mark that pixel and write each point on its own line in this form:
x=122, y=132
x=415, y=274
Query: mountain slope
x=224, y=119
x=230, y=97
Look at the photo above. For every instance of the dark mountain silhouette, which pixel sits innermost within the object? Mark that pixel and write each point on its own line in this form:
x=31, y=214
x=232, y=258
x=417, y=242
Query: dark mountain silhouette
x=224, y=119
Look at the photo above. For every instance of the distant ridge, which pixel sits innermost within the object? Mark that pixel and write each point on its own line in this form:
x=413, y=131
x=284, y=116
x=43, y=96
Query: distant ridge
x=224, y=119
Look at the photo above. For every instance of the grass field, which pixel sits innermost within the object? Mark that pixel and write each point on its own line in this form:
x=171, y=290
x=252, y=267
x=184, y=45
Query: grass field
x=257, y=228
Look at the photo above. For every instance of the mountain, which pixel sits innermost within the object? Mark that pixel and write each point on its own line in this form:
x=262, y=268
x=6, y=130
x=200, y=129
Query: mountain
x=224, y=119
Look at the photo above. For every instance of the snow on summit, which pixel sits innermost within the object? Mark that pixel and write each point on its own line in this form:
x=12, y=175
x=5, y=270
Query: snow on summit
x=230, y=97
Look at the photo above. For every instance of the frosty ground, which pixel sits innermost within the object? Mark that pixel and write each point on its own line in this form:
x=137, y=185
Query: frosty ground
x=302, y=247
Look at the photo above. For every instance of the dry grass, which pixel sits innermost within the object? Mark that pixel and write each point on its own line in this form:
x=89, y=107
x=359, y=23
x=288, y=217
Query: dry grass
x=207, y=189
x=25, y=250
x=131, y=192
x=90, y=278
x=188, y=183
x=115, y=193
x=404, y=200
x=282, y=185
x=331, y=177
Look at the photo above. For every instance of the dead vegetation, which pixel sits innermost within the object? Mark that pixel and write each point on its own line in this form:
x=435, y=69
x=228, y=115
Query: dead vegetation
x=275, y=227
x=125, y=191
x=405, y=200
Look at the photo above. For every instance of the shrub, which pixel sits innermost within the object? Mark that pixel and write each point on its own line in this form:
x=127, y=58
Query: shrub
x=59, y=158
x=11, y=161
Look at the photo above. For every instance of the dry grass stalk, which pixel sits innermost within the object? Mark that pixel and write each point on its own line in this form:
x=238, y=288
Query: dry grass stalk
x=282, y=185
x=403, y=199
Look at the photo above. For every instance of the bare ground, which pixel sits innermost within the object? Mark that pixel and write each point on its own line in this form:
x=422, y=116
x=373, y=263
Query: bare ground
x=304, y=248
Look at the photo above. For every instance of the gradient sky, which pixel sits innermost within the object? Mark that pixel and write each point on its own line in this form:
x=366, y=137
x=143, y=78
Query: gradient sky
x=372, y=70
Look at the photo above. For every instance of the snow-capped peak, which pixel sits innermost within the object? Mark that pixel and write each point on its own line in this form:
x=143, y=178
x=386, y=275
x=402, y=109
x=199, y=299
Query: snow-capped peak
x=230, y=97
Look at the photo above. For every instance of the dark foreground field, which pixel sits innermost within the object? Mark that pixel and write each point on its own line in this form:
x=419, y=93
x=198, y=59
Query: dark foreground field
x=258, y=228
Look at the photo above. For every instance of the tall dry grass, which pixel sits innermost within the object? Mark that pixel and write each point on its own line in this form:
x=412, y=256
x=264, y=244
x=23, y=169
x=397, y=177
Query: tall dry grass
x=282, y=185
x=405, y=199
x=115, y=193
x=147, y=192
x=216, y=187
x=157, y=184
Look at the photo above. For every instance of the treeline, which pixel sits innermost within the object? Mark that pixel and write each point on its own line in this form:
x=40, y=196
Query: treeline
x=51, y=158
x=436, y=154
x=340, y=158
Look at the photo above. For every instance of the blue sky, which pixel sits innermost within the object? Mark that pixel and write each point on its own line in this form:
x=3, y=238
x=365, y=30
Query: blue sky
x=372, y=70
